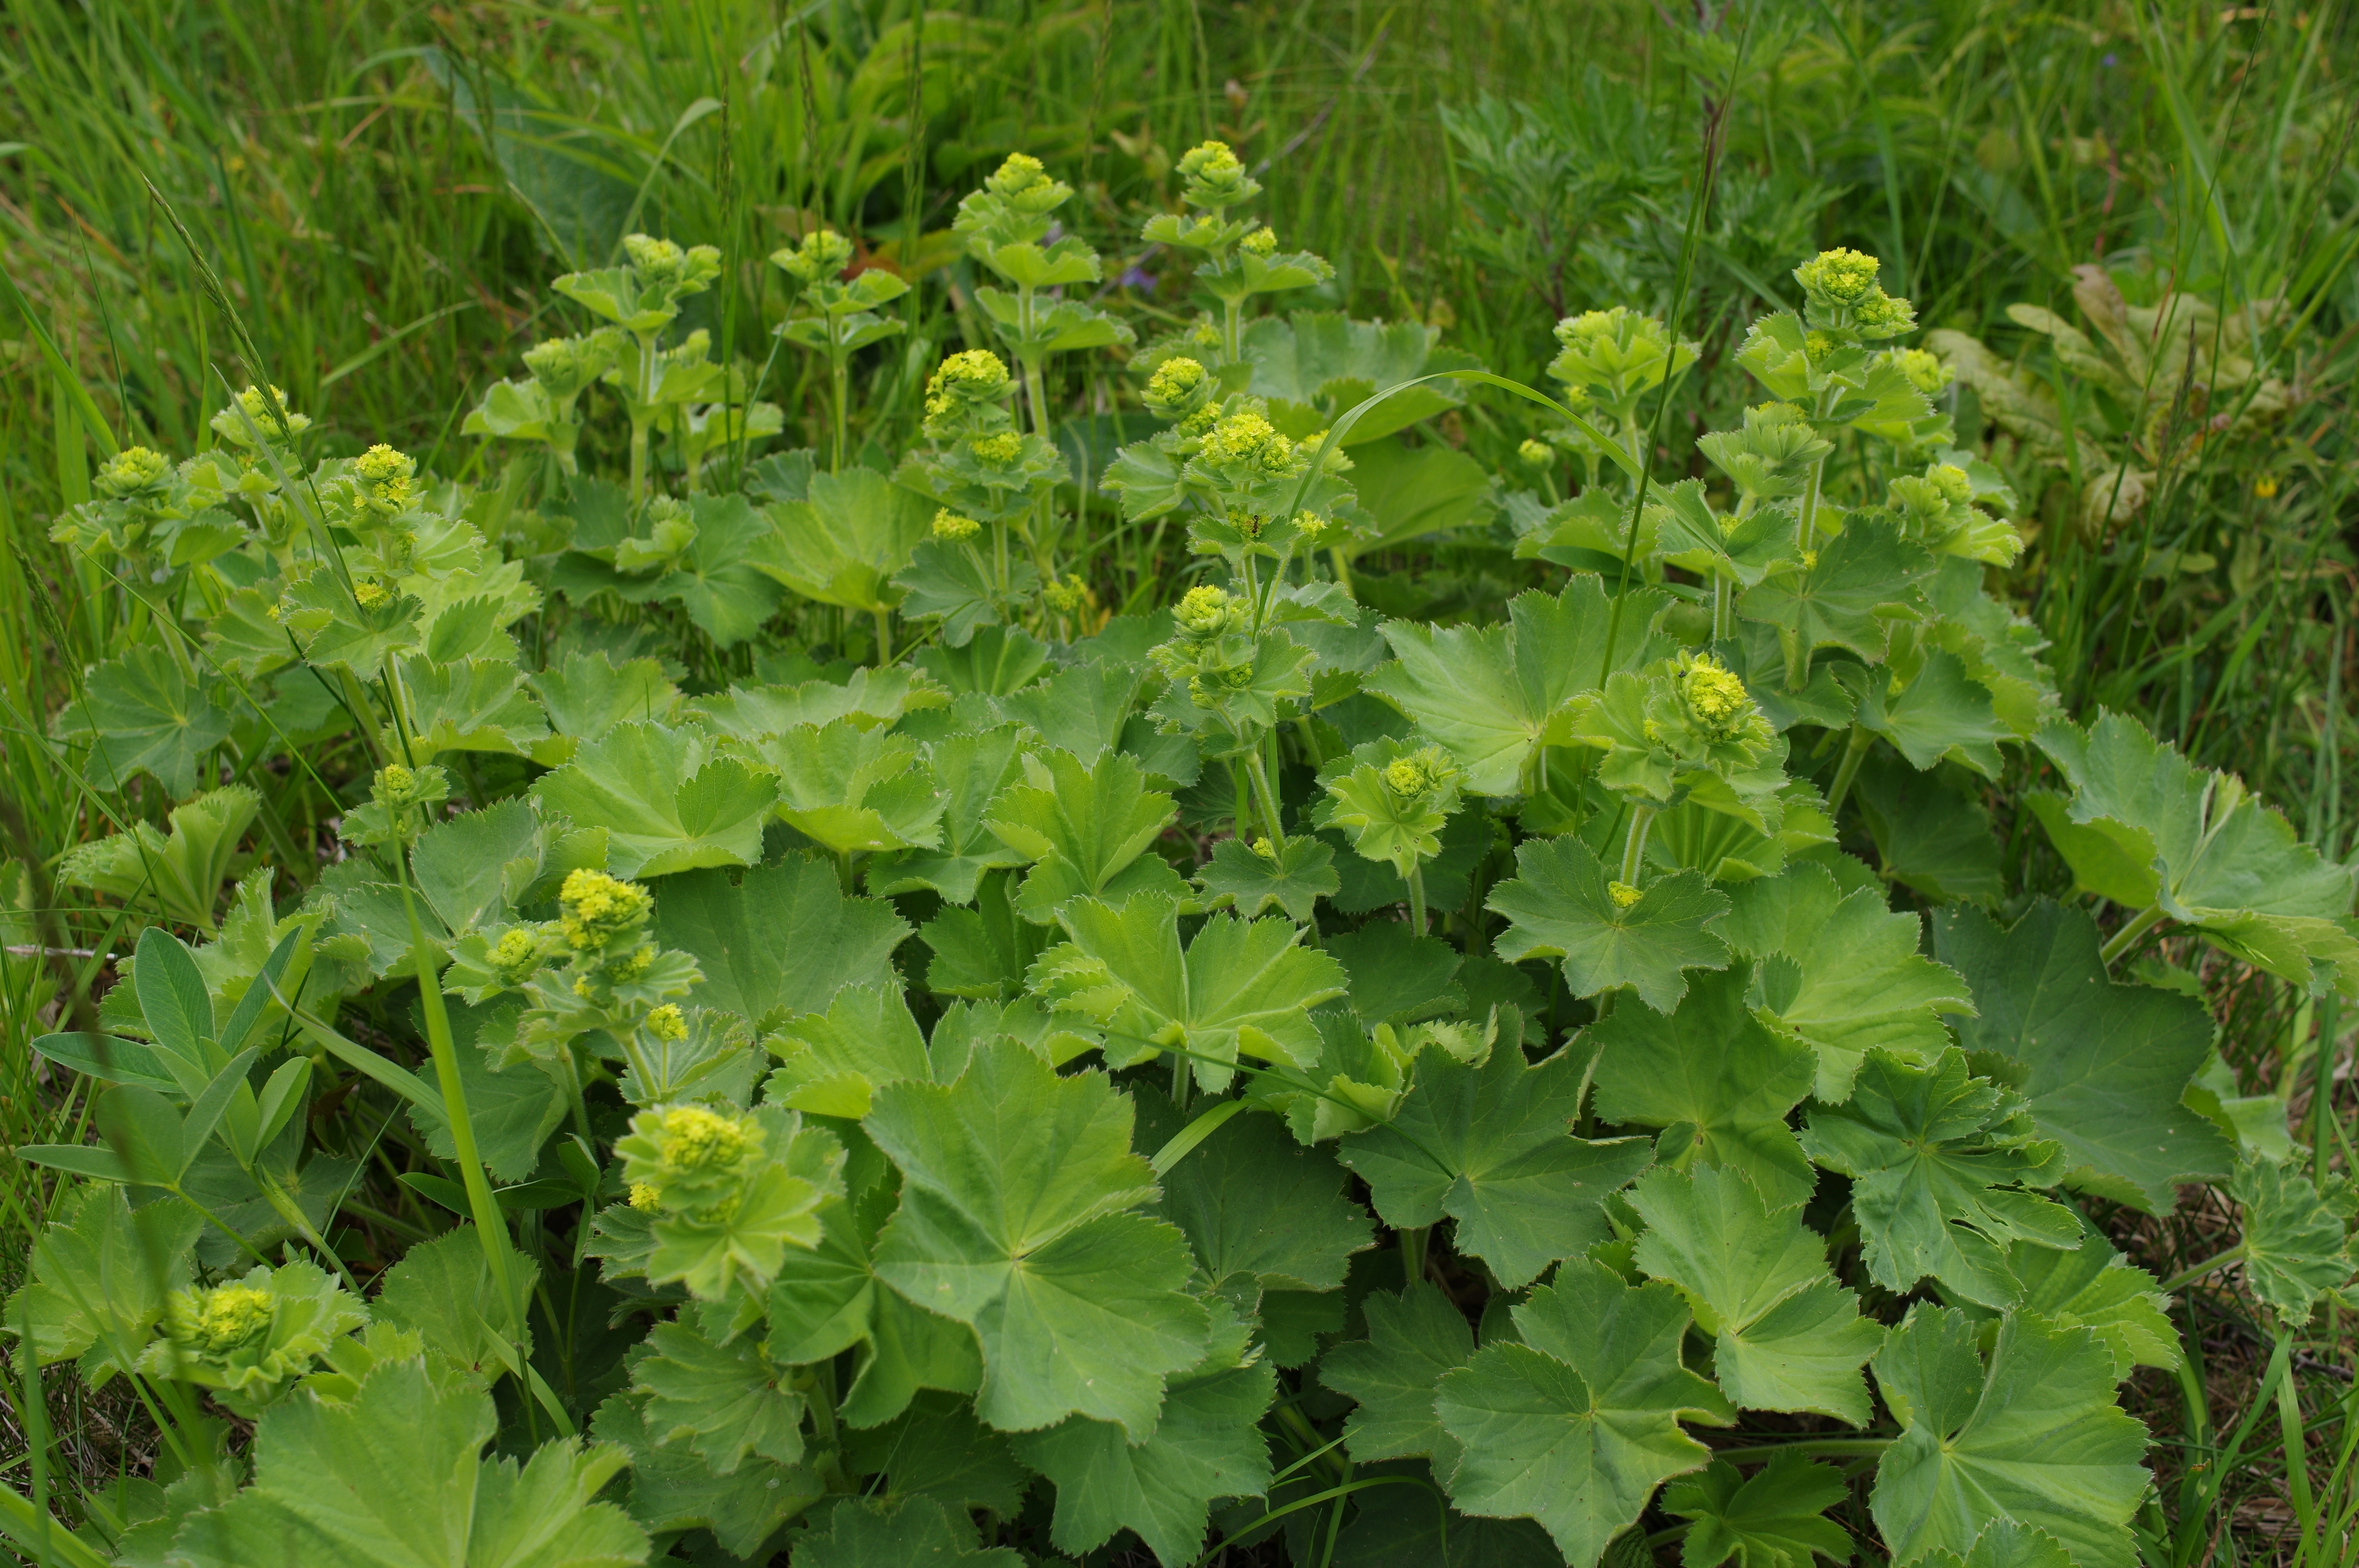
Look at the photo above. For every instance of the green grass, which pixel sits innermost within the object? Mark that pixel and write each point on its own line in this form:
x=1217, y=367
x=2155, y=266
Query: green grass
x=384, y=191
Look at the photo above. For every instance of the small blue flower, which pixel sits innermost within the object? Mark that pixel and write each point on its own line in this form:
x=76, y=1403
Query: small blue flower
x=1137, y=277
x=2110, y=60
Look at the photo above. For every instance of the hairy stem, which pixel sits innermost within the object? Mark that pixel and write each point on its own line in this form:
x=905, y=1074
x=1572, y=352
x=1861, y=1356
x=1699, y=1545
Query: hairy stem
x=1855, y=750
x=1265, y=798
x=1633, y=843
x=2120, y=942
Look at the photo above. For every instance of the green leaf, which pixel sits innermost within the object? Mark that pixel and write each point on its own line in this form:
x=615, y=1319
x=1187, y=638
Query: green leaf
x=1932, y=835
x=2296, y=1245
x=843, y=544
x=2104, y=1066
x=141, y=715
x=1843, y=972
x=1017, y=1219
x=1935, y=1157
x=939, y=1450
x=871, y=698
x=781, y=939
x=1402, y=1524
x=1293, y=879
x=1560, y=905
x=589, y=693
x=2033, y=1438
x=374, y=1481
x=1491, y=1146
x=180, y=876
x=1384, y=825
x=970, y=769
x=100, y=1274
x=667, y=802
x=1243, y=988
x=1576, y=1425
x=2146, y=827
x=999, y=661
x=1325, y=357
x=916, y=1533
x=832, y=1063
x=1086, y=826
x=322, y=615
x=1410, y=493
x=850, y=790
x=439, y=1291
x=721, y=1402
x=1938, y=712
x=1865, y=578
x=1487, y=694
x=1257, y=1206
x=1397, y=976
x=512, y=1112
x=1413, y=1339
x=472, y=705
x=2093, y=1287
x=948, y=581
x=1715, y=1069
x=672, y=1490
x=1208, y=1444
x=1786, y=1336
x=1777, y=1519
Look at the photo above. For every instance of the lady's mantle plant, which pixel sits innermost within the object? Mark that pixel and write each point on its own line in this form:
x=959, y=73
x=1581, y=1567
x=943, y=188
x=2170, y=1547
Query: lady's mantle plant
x=1256, y=1069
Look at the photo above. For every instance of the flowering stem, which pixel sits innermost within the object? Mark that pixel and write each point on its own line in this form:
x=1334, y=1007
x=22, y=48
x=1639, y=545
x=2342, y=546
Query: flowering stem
x=2140, y=923
x=1265, y=798
x=1855, y=750
x=843, y=379
x=1416, y=879
x=1720, y=606
x=1633, y=843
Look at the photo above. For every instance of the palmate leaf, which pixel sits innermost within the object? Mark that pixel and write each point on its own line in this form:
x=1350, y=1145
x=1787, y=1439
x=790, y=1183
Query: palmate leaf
x=2145, y=827
x=1404, y=1524
x=2093, y=1287
x=1413, y=1339
x=832, y=1063
x=1932, y=833
x=1019, y=1218
x=1576, y=1425
x=1207, y=1444
x=667, y=802
x=1560, y=905
x=2033, y=1438
x=1935, y=1156
x=721, y=1402
x=1864, y=577
x=1085, y=827
x=1938, y=711
x=1491, y=1147
x=394, y=1478
x=672, y=1490
x=1487, y=694
x=1293, y=879
x=970, y=768
x=1410, y=493
x=589, y=693
x=871, y=698
x=937, y=1449
x=100, y=1273
x=843, y=543
x=142, y=713
x=914, y=1533
x=1786, y=1336
x=2103, y=1066
x=1242, y=988
x=474, y=705
x=1263, y=1212
x=1301, y=357
x=2295, y=1242
x=1776, y=1519
x=1714, y=1068
x=849, y=789
x=1842, y=972
x=782, y=939
x=723, y=576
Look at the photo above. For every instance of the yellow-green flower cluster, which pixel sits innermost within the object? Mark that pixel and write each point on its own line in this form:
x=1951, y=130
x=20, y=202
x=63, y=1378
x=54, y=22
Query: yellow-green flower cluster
x=387, y=477
x=999, y=450
x=1067, y=596
x=1845, y=296
x=594, y=908
x=969, y=383
x=1205, y=612
x=1623, y=894
x=1261, y=241
x=253, y=413
x=666, y=265
x=668, y=1022
x=1536, y=454
x=1248, y=440
x=823, y=253
x=1175, y=387
x=1419, y=771
x=687, y=1156
x=1713, y=694
x=131, y=471
x=950, y=525
x=1215, y=177
x=228, y=1315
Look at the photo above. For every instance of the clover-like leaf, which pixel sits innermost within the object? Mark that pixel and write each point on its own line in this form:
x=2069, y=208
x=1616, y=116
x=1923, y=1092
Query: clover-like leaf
x=1242, y=988
x=1561, y=904
x=2033, y=1438
x=1577, y=1425
x=1487, y=694
x=2104, y=1064
x=2145, y=827
x=1843, y=972
x=1715, y=1069
x=1775, y=1519
x=1491, y=1146
x=667, y=802
x=1937, y=1160
x=363, y=1484
x=1786, y=1336
x=1019, y=1218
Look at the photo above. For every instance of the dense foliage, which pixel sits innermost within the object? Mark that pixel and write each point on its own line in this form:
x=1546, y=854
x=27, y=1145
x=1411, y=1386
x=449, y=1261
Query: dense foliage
x=988, y=1077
